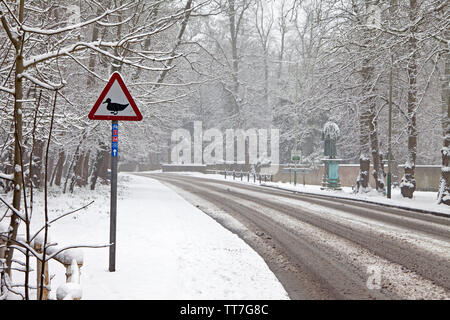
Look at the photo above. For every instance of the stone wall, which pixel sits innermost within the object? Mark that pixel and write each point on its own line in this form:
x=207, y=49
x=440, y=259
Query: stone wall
x=427, y=177
x=183, y=168
x=134, y=166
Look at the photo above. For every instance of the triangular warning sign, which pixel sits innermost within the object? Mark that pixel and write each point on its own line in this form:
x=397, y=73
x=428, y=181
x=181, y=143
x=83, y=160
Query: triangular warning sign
x=115, y=102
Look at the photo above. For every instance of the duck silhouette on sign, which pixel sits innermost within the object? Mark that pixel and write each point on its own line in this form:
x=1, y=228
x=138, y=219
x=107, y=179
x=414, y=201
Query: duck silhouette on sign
x=115, y=107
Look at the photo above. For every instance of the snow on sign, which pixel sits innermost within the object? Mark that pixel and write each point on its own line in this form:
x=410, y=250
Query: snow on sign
x=115, y=102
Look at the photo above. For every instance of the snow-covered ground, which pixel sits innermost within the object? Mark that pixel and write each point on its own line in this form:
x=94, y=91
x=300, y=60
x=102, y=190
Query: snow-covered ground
x=421, y=200
x=166, y=248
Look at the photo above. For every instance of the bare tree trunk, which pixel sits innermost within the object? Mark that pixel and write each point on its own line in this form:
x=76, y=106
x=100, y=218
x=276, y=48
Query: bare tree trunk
x=72, y=169
x=377, y=170
x=3, y=289
x=18, y=97
x=408, y=184
x=9, y=168
x=283, y=31
x=59, y=167
x=91, y=79
x=36, y=163
x=372, y=120
x=368, y=136
x=43, y=274
x=264, y=24
x=235, y=23
x=187, y=15
x=147, y=43
x=51, y=167
x=365, y=131
x=78, y=172
x=68, y=172
x=444, y=189
x=98, y=163
x=266, y=79
x=105, y=166
x=85, y=171
x=364, y=158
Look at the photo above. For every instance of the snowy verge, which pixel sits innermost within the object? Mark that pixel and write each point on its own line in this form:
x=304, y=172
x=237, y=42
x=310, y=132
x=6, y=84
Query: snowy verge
x=166, y=247
x=169, y=249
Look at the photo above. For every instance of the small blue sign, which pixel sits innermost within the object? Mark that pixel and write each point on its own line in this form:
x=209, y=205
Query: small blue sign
x=115, y=149
x=115, y=140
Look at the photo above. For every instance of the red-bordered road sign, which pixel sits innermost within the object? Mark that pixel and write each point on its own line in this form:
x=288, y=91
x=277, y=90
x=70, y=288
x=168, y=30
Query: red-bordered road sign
x=115, y=102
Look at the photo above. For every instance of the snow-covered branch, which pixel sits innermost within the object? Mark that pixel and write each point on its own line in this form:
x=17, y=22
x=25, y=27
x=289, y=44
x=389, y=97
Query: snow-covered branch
x=49, y=32
x=46, y=85
x=16, y=212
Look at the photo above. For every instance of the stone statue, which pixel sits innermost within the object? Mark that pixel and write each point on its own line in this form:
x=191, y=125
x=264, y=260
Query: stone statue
x=330, y=135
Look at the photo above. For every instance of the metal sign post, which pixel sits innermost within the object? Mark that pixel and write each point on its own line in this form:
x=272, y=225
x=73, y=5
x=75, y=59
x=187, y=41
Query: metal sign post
x=114, y=103
x=296, y=157
x=113, y=209
x=389, y=175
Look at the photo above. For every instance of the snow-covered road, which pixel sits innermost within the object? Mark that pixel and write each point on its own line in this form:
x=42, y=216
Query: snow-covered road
x=324, y=248
x=425, y=201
